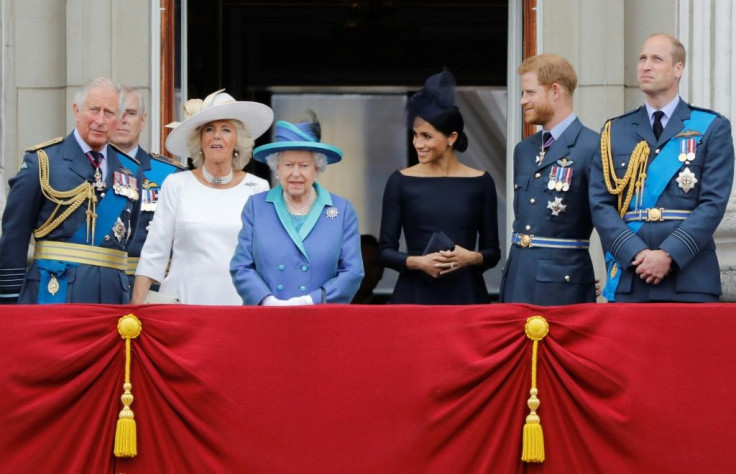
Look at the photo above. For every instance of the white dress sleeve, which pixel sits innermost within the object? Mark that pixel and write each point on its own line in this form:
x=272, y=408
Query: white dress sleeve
x=156, y=250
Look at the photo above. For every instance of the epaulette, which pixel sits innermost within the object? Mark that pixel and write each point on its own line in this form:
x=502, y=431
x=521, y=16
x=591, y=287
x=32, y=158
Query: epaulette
x=703, y=109
x=626, y=114
x=53, y=141
x=169, y=161
x=124, y=154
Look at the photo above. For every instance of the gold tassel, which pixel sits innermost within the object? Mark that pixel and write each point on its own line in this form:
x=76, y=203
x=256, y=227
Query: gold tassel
x=129, y=328
x=536, y=329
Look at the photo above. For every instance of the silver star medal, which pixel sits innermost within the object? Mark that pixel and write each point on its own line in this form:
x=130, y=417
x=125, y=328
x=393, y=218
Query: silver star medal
x=331, y=212
x=556, y=206
x=686, y=180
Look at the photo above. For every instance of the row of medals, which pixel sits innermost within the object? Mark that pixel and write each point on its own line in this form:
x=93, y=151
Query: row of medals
x=560, y=177
x=124, y=185
x=686, y=179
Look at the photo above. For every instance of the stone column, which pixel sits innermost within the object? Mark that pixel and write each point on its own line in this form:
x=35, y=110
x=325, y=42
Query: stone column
x=706, y=29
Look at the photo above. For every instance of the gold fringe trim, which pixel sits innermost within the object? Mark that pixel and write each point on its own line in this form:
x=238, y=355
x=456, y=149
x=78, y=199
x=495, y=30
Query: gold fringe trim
x=536, y=329
x=635, y=176
x=72, y=198
x=129, y=327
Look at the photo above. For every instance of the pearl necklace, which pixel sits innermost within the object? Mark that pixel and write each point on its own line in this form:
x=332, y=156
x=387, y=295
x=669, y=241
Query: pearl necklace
x=304, y=210
x=217, y=180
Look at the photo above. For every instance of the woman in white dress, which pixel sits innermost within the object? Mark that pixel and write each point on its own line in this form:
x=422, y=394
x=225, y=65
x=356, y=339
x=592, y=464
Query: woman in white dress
x=197, y=217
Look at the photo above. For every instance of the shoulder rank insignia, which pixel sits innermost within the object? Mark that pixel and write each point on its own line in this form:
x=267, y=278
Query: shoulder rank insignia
x=132, y=158
x=688, y=134
x=168, y=161
x=53, y=141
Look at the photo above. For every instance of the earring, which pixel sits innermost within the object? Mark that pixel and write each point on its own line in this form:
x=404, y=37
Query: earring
x=452, y=143
x=200, y=152
x=236, y=153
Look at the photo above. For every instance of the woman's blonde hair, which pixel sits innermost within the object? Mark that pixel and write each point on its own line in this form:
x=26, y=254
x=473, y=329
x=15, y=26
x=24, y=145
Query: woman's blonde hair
x=243, y=146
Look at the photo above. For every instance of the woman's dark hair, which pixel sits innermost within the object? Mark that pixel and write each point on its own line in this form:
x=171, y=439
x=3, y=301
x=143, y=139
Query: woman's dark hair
x=451, y=120
x=435, y=103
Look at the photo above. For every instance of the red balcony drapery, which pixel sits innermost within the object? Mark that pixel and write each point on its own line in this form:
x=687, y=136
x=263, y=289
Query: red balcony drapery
x=369, y=389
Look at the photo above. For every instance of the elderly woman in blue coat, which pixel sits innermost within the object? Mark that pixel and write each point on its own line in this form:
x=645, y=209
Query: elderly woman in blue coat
x=299, y=244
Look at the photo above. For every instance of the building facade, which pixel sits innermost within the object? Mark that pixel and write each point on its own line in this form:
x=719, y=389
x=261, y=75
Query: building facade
x=52, y=47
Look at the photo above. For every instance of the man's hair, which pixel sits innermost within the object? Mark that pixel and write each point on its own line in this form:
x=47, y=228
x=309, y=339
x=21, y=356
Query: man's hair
x=551, y=69
x=102, y=82
x=139, y=94
x=678, y=50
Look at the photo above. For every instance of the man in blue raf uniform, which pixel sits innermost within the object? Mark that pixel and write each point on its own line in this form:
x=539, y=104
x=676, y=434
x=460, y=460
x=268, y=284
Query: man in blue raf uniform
x=155, y=169
x=79, y=199
x=549, y=262
x=659, y=188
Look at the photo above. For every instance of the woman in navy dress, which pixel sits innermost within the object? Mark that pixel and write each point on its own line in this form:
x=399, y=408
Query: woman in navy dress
x=439, y=195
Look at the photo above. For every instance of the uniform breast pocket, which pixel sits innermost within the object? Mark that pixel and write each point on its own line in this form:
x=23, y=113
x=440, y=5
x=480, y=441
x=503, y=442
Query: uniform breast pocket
x=520, y=186
x=620, y=164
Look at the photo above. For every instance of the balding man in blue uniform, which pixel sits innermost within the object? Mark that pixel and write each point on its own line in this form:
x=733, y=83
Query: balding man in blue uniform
x=153, y=167
x=549, y=262
x=79, y=198
x=659, y=237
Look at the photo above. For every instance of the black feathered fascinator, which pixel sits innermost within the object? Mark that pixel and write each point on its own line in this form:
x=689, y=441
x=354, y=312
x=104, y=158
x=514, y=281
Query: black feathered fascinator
x=437, y=96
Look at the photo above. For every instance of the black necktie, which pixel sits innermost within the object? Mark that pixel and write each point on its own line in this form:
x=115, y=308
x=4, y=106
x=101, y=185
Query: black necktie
x=547, y=141
x=657, y=125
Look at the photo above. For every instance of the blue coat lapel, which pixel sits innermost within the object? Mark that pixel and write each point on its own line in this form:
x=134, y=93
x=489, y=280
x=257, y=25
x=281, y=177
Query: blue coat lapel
x=143, y=158
x=561, y=147
x=642, y=127
x=676, y=123
x=276, y=197
x=78, y=162
x=323, y=199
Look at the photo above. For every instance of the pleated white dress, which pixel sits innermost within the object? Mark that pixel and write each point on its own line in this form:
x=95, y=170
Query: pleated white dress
x=198, y=226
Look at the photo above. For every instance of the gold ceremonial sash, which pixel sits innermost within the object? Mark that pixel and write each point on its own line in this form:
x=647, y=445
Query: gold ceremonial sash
x=78, y=253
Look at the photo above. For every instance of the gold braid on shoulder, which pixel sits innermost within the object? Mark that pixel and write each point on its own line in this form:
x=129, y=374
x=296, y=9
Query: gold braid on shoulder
x=72, y=198
x=636, y=171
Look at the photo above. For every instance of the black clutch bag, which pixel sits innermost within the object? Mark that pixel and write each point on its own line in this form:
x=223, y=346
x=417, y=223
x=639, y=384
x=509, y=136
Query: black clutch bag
x=439, y=241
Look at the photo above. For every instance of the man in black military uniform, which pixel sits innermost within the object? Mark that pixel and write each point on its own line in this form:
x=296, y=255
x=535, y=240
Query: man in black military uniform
x=79, y=198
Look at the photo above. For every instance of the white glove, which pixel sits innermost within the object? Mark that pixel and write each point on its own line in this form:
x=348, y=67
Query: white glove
x=271, y=300
x=299, y=300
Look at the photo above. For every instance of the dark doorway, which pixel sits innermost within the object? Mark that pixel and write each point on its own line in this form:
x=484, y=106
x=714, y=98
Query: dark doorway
x=248, y=46
x=357, y=61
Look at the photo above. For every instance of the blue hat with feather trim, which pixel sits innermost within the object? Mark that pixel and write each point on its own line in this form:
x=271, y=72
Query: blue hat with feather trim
x=298, y=136
x=435, y=98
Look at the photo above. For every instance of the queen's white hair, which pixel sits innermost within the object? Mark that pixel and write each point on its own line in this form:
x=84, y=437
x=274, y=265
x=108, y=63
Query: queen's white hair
x=320, y=161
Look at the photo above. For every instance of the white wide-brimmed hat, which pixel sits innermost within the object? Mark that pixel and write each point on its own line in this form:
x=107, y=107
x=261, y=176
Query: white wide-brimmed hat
x=219, y=105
